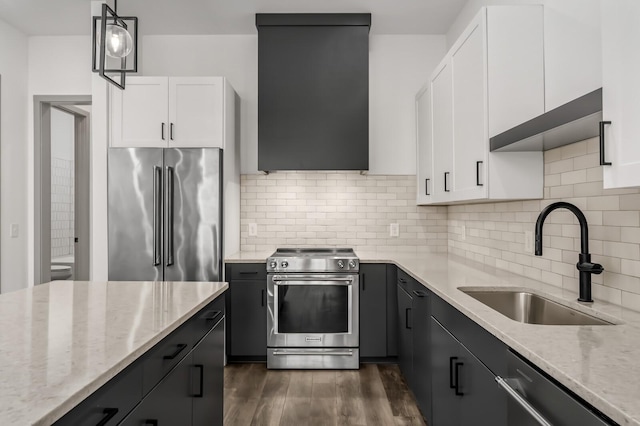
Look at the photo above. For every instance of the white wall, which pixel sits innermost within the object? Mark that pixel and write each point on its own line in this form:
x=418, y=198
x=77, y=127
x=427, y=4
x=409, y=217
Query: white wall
x=13, y=154
x=57, y=65
x=573, y=49
x=399, y=65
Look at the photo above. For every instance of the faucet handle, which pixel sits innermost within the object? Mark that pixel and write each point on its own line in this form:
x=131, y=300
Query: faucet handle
x=592, y=268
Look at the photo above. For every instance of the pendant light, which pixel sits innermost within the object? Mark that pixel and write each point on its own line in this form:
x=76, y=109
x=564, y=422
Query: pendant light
x=115, y=49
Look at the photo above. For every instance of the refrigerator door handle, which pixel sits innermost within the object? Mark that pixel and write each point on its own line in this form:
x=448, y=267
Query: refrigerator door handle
x=169, y=215
x=157, y=219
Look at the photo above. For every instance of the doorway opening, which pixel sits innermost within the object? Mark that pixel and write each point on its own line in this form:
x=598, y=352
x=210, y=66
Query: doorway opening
x=62, y=185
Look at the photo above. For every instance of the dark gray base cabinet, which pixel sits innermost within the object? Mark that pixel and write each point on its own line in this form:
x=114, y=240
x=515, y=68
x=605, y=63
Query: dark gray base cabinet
x=373, y=310
x=247, y=311
x=177, y=382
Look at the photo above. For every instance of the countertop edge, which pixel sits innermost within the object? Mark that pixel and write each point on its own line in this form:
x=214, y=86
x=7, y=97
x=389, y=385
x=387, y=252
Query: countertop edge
x=76, y=398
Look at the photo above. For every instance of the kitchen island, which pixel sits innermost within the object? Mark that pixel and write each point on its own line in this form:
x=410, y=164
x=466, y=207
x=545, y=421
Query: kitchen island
x=598, y=363
x=62, y=341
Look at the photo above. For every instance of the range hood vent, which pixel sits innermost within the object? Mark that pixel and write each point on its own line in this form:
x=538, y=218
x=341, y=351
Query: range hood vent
x=313, y=91
x=572, y=122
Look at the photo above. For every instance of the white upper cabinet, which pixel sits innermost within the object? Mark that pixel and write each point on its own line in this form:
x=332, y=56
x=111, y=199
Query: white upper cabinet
x=621, y=92
x=168, y=112
x=491, y=79
x=425, y=147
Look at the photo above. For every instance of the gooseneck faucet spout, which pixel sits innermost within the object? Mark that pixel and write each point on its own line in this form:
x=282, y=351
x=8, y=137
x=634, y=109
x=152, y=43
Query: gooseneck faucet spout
x=584, y=265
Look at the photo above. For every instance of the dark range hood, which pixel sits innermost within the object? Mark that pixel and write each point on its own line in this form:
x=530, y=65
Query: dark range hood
x=572, y=122
x=313, y=91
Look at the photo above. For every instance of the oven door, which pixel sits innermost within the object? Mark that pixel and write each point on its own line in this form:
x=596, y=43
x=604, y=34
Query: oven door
x=312, y=310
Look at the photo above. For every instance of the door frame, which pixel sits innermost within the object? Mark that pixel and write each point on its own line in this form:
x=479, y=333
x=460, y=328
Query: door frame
x=42, y=179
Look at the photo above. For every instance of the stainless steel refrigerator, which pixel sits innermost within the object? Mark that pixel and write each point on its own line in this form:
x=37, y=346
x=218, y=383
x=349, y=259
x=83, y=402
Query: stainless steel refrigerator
x=165, y=214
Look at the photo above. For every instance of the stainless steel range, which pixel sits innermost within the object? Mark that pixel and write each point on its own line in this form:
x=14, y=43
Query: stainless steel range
x=313, y=309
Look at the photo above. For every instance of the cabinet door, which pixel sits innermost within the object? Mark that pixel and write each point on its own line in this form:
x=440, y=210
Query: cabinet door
x=470, y=137
x=373, y=310
x=422, y=352
x=405, y=334
x=248, y=323
x=139, y=113
x=445, y=351
x=621, y=92
x=424, y=145
x=169, y=403
x=442, y=132
x=196, y=113
x=208, y=380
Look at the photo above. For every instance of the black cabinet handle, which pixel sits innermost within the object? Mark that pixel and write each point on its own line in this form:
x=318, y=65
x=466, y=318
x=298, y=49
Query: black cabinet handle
x=263, y=297
x=248, y=272
x=150, y=422
x=426, y=187
x=402, y=280
x=162, y=131
x=457, y=387
x=602, y=160
x=451, y=383
x=109, y=413
x=419, y=293
x=407, y=313
x=200, y=392
x=362, y=281
x=446, y=187
x=211, y=315
x=179, y=349
x=478, y=173
x=171, y=131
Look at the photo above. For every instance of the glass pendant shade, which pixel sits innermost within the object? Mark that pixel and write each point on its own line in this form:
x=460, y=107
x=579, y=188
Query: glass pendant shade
x=118, y=41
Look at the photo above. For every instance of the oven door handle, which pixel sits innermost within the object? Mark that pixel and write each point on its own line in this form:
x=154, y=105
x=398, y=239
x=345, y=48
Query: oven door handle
x=330, y=353
x=318, y=281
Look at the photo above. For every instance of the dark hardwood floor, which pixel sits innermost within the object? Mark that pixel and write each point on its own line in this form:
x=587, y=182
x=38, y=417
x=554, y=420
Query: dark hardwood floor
x=373, y=395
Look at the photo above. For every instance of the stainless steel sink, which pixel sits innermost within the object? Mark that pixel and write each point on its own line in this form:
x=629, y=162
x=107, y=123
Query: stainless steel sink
x=531, y=308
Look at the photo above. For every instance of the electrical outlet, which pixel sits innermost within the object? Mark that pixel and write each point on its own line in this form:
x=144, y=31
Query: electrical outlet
x=253, y=229
x=463, y=232
x=14, y=230
x=528, y=241
x=394, y=230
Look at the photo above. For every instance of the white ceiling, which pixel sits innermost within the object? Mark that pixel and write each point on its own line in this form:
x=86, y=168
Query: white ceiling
x=71, y=17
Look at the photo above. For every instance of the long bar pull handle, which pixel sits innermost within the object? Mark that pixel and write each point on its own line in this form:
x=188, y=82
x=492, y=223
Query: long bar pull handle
x=285, y=352
x=179, y=349
x=109, y=413
x=157, y=214
x=451, y=382
x=263, y=297
x=200, y=392
x=602, y=160
x=446, y=187
x=457, y=386
x=150, y=422
x=535, y=414
x=419, y=293
x=426, y=187
x=171, y=131
x=162, y=131
x=478, y=173
x=407, y=315
x=169, y=215
x=362, y=280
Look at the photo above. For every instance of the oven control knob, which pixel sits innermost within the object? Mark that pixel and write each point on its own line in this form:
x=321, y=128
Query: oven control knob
x=340, y=264
x=352, y=264
x=284, y=264
x=273, y=264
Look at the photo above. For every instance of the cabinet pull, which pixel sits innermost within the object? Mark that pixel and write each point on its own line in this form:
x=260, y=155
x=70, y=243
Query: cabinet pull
x=451, y=359
x=426, y=187
x=109, y=413
x=362, y=279
x=248, y=272
x=419, y=293
x=602, y=160
x=407, y=312
x=179, y=349
x=263, y=297
x=446, y=189
x=150, y=422
x=162, y=131
x=200, y=392
x=457, y=387
x=402, y=280
x=171, y=131
x=211, y=315
x=478, y=173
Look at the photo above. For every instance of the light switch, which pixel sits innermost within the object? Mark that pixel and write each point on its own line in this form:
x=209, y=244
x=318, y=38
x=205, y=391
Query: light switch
x=14, y=230
x=394, y=230
x=253, y=229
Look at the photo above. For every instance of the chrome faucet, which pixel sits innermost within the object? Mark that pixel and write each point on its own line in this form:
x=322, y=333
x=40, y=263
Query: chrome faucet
x=584, y=265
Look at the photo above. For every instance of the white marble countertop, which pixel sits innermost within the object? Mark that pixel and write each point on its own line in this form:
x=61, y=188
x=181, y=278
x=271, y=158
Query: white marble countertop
x=601, y=364
x=61, y=341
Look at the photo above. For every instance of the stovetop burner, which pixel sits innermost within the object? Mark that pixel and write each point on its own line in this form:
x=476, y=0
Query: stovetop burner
x=320, y=260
